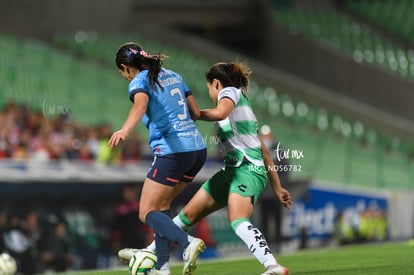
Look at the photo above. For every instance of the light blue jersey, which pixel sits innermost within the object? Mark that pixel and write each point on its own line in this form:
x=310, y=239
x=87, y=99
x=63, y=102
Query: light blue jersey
x=168, y=119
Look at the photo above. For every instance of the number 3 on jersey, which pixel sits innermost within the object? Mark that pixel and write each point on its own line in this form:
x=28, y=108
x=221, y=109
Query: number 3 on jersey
x=181, y=102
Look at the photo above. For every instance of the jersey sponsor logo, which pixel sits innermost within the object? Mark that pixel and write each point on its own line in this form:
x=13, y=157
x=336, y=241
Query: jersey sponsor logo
x=242, y=187
x=183, y=125
x=260, y=240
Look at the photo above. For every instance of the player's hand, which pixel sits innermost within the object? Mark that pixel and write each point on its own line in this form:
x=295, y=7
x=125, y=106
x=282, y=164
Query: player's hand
x=116, y=138
x=285, y=198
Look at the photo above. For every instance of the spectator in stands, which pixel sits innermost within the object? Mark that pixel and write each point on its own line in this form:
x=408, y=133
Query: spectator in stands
x=105, y=154
x=21, y=241
x=20, y=152
x=38, y=146
x=126, y=230
x=84, y=155
x=92, y=141
x=131, y=149
x=3, y=227
x=54, y=249
x=4, y=142
x=344, y=232
x=270, y=209
x=4, y=148
x=83, y=231
x=27, y=135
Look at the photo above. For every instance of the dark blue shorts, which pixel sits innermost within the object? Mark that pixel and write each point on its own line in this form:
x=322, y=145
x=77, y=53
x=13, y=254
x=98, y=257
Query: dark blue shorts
x=172, y=168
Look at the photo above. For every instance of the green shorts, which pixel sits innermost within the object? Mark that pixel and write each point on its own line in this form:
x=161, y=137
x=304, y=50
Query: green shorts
x=246, y=180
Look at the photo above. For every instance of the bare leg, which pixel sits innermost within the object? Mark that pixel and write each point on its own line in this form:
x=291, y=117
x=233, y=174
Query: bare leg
x=200, y=206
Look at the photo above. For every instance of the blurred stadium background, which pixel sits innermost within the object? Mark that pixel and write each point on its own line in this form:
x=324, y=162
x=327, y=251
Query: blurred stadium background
x=333, y=79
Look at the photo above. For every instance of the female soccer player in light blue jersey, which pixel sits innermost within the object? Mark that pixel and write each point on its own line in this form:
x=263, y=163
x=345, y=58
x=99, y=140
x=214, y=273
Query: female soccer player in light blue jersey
x=164, y=103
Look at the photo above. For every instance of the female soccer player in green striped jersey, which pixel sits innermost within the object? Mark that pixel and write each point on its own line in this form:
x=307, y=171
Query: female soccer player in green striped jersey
x=240, y=182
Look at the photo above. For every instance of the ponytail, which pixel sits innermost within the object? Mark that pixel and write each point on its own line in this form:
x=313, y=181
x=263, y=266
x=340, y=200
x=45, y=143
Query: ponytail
x=133, y=55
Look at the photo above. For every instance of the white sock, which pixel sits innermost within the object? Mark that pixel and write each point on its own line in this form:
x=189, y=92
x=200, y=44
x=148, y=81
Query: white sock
x=151, y=246
x=255, y=241
x=177, y=220
x=165, y=266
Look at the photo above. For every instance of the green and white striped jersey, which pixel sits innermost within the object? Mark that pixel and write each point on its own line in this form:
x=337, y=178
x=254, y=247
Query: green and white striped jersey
x=238, y=133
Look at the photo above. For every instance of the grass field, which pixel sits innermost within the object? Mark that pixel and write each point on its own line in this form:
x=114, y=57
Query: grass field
x=388, y=258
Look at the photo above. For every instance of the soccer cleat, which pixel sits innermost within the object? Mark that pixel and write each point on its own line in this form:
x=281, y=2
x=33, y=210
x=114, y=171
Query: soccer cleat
x=125, y=254
x=190, y=255
x=278, y=270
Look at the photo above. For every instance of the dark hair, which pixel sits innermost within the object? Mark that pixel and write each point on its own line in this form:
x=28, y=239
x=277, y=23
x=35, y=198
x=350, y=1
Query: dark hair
x=132, y=55
x=231, y=74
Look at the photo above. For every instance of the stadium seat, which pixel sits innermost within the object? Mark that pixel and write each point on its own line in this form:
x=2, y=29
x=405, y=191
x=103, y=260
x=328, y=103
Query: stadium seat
x=340, y=32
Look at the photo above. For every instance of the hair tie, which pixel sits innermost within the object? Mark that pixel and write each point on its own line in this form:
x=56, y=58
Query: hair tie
x=134, y=52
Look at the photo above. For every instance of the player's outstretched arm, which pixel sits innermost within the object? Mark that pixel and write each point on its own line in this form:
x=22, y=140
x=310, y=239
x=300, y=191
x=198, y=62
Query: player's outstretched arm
x=220, y=112
x=137, y=111
x=193, y=107
x=281, y=193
